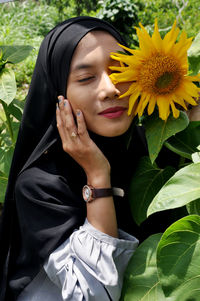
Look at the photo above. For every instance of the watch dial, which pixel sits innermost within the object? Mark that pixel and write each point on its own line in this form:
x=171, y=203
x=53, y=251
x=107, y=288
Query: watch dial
x=87, y=193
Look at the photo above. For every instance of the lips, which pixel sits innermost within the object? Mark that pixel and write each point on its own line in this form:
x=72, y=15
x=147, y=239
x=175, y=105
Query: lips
x=113, y=112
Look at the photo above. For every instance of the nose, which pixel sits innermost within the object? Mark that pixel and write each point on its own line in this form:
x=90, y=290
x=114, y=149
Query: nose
x=107, y=89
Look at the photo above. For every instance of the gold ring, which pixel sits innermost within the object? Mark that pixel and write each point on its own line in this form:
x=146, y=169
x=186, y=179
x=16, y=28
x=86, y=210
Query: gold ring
x=73, y=135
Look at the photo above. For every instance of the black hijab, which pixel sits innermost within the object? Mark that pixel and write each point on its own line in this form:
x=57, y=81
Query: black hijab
x=49, y=208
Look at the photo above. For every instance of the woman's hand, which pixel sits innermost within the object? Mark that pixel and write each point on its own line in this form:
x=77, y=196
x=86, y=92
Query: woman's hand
x=78, y=144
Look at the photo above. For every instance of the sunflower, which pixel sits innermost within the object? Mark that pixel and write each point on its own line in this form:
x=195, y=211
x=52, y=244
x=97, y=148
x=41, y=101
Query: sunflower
x=158, y=72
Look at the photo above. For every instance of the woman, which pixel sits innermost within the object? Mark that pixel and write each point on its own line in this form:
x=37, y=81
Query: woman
x=53, y=243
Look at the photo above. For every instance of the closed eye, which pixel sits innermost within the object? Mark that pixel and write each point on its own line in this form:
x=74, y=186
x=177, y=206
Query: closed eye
x=82, y=80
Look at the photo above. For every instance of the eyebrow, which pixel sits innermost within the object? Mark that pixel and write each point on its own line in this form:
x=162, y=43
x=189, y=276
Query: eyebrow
x=82, y=66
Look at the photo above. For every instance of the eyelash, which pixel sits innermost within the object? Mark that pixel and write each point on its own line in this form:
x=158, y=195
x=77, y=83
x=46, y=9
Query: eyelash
x=85, y=79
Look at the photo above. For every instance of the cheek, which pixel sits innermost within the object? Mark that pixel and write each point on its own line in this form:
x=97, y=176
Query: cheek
x=78, y=98
x=123, y=87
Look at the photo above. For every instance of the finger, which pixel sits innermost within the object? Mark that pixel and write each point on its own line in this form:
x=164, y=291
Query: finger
x=81, y=125
x=68, y=117
x=60, y=124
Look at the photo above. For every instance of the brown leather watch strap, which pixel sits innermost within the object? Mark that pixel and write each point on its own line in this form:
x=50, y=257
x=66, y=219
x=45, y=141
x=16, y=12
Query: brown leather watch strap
x=104, y=192
x=90, y=193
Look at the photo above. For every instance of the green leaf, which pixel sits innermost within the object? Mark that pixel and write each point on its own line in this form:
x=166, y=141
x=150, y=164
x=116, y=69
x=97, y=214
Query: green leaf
x=194, y=55
x=145, y=184
x=158, y=130
x=15, y=111
x=7, y=85
x=141, y=279
x=15, y=54
x=181, y=189
x=178, y=260
x=186, y=142
x=3, y=185
x=5, y=160
x=194, y=207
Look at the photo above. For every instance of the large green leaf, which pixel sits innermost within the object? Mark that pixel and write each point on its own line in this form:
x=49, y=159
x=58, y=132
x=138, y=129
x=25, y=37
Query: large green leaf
x=185, y=143
x=7, y=85
x=5, y=160
x=15, y=111
x=158, y=130
x=178, y=260
x=145, y=184
x=194, y=55
x=181, y=189
x=15, y=54
x=141, y=278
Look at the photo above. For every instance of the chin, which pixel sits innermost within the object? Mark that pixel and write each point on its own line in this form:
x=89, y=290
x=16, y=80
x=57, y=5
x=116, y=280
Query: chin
x=112, y=132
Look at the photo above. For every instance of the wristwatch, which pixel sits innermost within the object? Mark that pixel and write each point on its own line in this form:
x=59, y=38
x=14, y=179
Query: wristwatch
x=90, y=193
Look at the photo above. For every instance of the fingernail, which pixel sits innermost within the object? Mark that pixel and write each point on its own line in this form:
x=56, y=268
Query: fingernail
x=78, y=112
x=65, y=102
x=60, y=99
x=57, y=107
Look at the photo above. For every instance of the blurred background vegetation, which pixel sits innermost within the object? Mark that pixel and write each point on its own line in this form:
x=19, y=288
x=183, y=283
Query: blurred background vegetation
x=27, y=22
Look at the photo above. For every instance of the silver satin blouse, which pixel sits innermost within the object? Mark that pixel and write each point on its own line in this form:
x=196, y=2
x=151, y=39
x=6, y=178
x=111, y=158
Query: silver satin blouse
x=88, y=266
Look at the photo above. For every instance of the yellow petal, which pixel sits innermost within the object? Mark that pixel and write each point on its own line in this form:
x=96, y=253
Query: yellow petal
x=172, y=35
x=191, y=88
x=132, y=51
x=142, y=104
x=126, y=76
x=131, y=90
x=117, y=68
x=163, y=107
x=175, y=111
x=194, y=78
x=128, y=59
x=156, y=38
x=190, y=100
x=145, y=41
x=133, y=98
x=180, y=101
x=152, y=103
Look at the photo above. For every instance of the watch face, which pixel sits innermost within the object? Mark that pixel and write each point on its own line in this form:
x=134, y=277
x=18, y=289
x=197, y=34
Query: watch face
x=87, y=193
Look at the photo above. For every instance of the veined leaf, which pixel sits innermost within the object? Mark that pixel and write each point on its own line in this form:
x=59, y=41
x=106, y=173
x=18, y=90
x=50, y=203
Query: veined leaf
x=181, y=189
x=7, y=85
x=15, y=54
x=141, y=281
x=5, y=160
x=145, y=184
x=178, y=260
x=194, y=55
x=158, y=131
x=15, y=111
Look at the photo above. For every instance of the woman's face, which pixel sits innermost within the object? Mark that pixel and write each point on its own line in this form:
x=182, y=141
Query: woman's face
x=90, y=89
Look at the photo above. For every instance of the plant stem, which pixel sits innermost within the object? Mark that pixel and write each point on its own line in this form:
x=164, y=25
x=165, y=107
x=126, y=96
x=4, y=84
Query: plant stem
x=4, y=105
x=181, y=162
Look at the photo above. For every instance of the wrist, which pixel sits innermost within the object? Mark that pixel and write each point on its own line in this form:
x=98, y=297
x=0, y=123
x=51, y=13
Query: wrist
x=99, y=182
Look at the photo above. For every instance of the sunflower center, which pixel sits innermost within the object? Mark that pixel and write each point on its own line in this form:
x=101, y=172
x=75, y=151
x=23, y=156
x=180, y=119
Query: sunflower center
x=160, y=74
x=164, y=80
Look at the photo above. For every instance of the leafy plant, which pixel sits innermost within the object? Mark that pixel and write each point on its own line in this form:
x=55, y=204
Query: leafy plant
x=122, y=14
x=11, y=109
x=166, y=267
